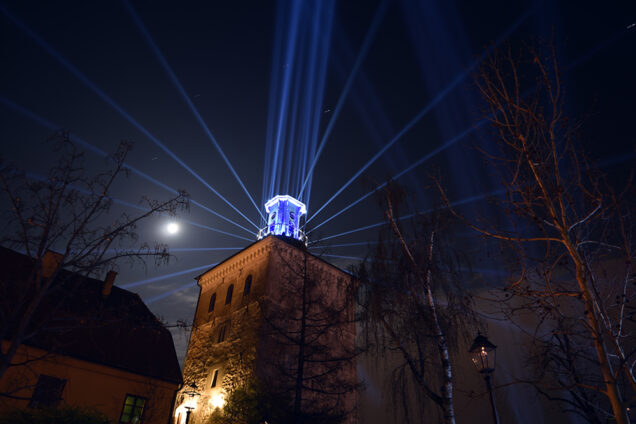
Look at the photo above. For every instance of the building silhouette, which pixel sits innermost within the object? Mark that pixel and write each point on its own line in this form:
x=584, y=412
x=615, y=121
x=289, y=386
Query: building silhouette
x=89, y=345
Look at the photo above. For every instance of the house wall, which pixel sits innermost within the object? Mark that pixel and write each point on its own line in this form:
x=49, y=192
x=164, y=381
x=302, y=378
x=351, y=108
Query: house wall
x=87, y=384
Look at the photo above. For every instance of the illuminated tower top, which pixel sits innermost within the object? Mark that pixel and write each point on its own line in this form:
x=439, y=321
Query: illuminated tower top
x=284, y=218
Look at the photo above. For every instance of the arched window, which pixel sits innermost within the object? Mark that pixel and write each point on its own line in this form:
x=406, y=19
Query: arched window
x=212, y=302
x=228, y=297
x=248, y=285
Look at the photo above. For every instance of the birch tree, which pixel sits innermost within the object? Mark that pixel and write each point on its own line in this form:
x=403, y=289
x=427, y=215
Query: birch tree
x=413, y=305
x=572, y=235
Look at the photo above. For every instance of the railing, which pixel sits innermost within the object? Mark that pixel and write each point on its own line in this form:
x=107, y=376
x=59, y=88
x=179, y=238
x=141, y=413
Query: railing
x=264, y=232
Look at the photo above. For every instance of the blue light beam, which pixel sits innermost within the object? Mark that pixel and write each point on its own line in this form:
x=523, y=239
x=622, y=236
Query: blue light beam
x=47, y=124
x=197, y=115
x=379, y=224
x=403, y=172
x=165, y=276
x=398, y=136
x=79, y=75
x=598, y=47
x=291, y=47
x=354, y=258
x=440, y=96
x=360, y=243
x=169, y=293
x=139, y=207
x=375, y=24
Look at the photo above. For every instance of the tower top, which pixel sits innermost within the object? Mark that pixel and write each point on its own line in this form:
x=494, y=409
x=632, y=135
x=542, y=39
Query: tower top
x=284, y=218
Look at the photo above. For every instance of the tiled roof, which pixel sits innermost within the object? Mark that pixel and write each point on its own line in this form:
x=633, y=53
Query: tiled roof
x=74, y=319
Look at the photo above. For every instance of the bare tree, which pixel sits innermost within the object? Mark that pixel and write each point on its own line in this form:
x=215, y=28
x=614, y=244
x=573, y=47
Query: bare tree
x=69, y=212
x=413, y=305
x=572, y=234
x=309, y=325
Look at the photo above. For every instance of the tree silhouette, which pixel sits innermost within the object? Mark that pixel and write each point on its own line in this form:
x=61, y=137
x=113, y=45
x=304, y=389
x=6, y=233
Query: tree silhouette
x=414, y=309
x=572, y=236
x=65, y=224
x=309, y=330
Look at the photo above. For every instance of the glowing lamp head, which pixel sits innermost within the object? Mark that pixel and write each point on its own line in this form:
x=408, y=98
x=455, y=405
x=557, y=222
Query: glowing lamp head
x=284, y=217
x=483, y=354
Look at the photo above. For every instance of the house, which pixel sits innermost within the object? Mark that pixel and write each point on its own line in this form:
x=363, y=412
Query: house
x=89, y=344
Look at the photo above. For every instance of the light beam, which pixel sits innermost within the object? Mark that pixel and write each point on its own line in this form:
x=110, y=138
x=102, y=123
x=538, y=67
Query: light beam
x=165, y=276
x=47, y=124
x=408, y=169
x=379, y=224
x=439, y=97
x=142, y=208
x=187, y=99
x=79, y=75
x=377, y=19
x=169, y=293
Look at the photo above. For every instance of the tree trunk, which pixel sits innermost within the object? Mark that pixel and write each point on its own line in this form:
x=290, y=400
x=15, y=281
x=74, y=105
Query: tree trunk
x=447, y=385
x=298, y=395
x=611, y=389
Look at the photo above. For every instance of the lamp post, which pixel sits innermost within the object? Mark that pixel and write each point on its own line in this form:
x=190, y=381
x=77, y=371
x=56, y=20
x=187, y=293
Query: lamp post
x=484, y=355
x=191, y=405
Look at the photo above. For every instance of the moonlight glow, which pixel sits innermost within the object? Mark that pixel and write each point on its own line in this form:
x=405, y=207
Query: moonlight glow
x=172, y=228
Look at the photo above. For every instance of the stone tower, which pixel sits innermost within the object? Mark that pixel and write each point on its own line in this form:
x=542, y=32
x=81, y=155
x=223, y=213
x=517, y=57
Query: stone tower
x=277, y=313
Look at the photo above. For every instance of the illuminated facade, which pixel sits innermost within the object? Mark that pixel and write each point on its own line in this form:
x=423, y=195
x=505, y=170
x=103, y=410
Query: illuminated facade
x=230, y=342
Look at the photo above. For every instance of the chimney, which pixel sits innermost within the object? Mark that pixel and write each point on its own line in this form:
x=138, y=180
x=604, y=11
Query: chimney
x=50, y=263
x=108, y=284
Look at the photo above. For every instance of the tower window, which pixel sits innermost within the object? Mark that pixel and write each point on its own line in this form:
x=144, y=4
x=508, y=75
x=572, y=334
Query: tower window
x=228, y=296
x=212, y=302
x=248, y=285
x=215, y=377
x=222, y=332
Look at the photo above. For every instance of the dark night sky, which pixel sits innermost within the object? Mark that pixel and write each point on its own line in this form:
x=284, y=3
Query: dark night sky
x=221, y=52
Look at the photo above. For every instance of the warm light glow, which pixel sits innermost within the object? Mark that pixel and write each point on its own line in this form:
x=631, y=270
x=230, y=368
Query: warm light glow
x=217, y=400
x=190, y=403
x=172, y=228
x=182, y=411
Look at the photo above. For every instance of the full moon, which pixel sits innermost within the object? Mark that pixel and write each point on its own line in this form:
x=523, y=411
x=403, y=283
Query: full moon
x=172, y=228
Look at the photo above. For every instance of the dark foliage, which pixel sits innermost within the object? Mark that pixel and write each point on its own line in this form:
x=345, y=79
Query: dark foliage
x=62, y=415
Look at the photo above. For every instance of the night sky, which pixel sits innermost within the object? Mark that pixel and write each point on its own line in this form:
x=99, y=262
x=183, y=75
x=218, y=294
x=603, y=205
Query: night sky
x=89, y=67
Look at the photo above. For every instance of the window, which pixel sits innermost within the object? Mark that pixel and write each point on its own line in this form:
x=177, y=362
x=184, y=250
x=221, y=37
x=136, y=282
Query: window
x=248, y=285
x=228, y=296
x=212, y=302
x=133, y=409
x=222, y=331
x=215, y=377
x=47, y=392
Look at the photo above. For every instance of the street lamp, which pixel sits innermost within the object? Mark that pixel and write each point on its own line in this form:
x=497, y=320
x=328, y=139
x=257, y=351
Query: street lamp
x=191, y=403
x=484, y=355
